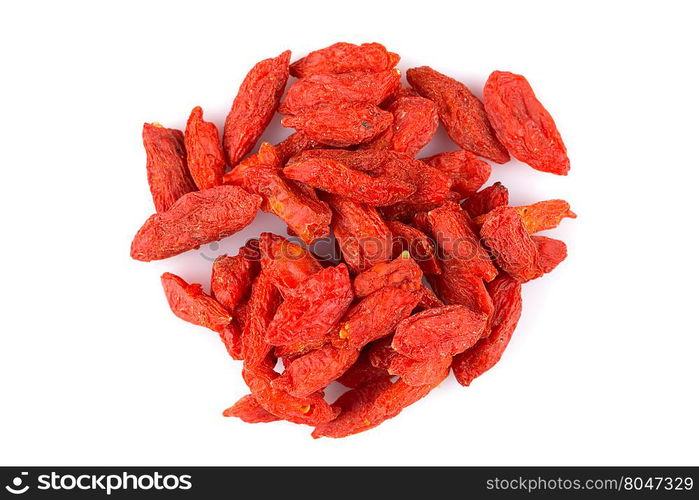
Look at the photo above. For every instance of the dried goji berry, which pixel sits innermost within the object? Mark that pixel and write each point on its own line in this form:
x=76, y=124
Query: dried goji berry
x=293, y=145
x=341, y=124
x=287, y=264
x=418, y=245
x=431, y=185
x=544, y=215
x=503, y=232
x=506, y=294
x=381, y=353
x=362, y=234
x=231, y=277
x=191, y=304
x=456, y=285
x=296, y=349
x=467, y=172
x=195, y=219
x=362, y=372
x=249, y=410
x=315, y=371
x=522, y=124
x=414, y=372
x=335, y=177
x=551, y=252
x=232, y=336
x=438, y=332
x=313, y=308
x=205, y=157
x=374, y=317
x=415, y=121
x=343, y=57
x=309, y=410
x=486, y=200
x=428, y=299
x=166, y=165
x=402, y=272
x=358, y=86
x=451, y=228
x=254, y=106
x=261, y=308
x=365, y=408
x=296, y=204
x=460, y=111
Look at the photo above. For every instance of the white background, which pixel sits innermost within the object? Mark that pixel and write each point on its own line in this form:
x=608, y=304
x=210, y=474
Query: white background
x=94, y=368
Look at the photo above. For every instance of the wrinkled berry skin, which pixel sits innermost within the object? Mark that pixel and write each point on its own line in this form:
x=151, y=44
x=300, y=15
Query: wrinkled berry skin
x=486, y=200
x=522, y=123
x=250, y=411
x=254, y=106
x=551, y=252
x=341, y=124
x=195, y=219
x=504, y=233
x=460, y=111
x=466, y=171
x=435, y=333
x=166, y=165
x=191, y=304
x=347, y=87
x=205, y=158
x=343, y=57
x=506, y=293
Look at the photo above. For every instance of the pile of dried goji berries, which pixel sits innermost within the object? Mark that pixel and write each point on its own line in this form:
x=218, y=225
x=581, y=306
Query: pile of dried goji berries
x=431, y=262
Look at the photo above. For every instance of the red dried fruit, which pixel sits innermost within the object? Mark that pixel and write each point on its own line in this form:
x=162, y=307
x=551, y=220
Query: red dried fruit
x=506, y=294
x=402, y=272
x=381, y=353
x=415, y=121
x=466, y=171
x=231, y=277
x=191, y=304
x=362, y=372
x=296, y=204
x=313, y=308
x=205, y=158
x=374, y=317
x=432, y=186
x=195, y=219
x=341, y=124
x=315, y=371
x=486, y=200
x=232, y=336
x=362, y=234
x=261, y=308
x=456, y=285
x=310, y=410
x=365, y=408
x=254, y=106
x=544, y=215
x=293, y=145
x=418, y=245
x=451, y=229
x=522, y=123
x=249, y=410
x=358, y=86
x=503, y=232
x=438, y=332
x=286, y=263
x=551, y=252
x=335, y=177
x=344, y=57
x=166, y=165
x=416, y=373
x=428, y=300
x=460, y=111
x=294, y=350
